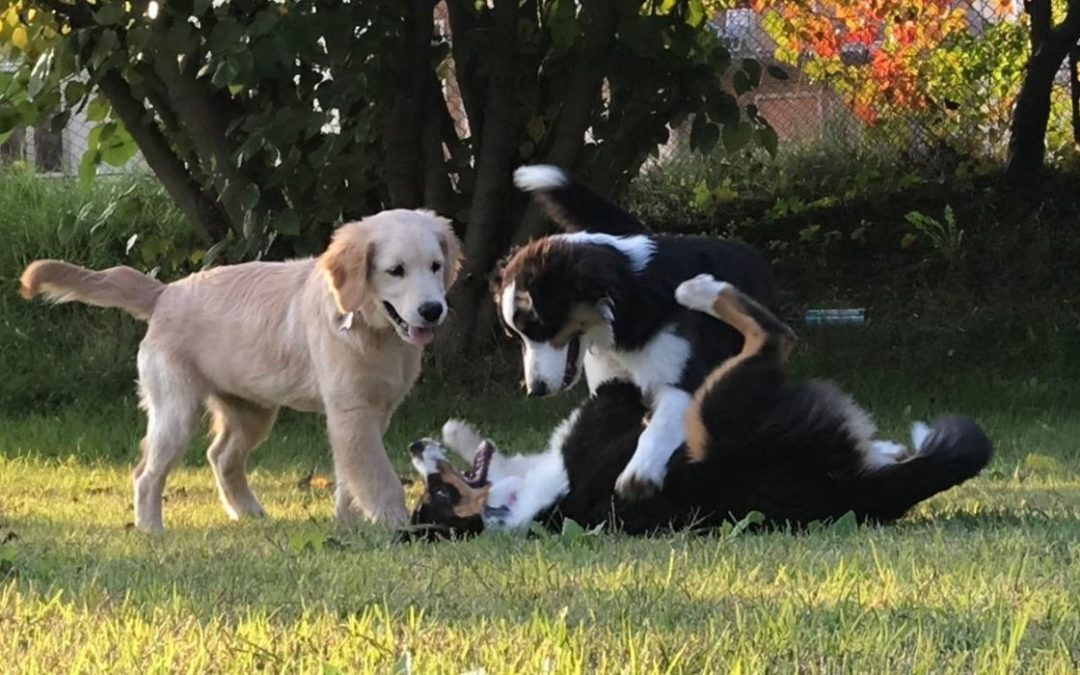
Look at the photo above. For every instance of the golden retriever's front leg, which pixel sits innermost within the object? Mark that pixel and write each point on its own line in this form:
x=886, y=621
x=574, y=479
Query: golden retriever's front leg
x=365, y=478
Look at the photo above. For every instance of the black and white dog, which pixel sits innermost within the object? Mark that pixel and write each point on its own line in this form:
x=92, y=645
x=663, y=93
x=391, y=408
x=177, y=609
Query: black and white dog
x=601, y=298
x=797, y=452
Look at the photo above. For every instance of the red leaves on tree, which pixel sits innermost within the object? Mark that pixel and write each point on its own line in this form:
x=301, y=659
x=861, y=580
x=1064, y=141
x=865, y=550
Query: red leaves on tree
x=888, y=37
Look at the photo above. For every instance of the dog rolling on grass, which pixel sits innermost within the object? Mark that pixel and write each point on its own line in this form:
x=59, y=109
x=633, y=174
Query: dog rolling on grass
x=797, y=452
x=600, y=298
x=340, y=334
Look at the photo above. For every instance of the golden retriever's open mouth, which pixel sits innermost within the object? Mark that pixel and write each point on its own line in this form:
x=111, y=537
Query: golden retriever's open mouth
x=417, y=335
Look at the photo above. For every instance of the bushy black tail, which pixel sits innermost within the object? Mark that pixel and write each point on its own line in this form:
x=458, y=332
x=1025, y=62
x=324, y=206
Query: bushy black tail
x=954, y=450
x=572, y=205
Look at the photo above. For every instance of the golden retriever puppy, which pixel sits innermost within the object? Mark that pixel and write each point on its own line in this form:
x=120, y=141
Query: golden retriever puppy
x=340, y=334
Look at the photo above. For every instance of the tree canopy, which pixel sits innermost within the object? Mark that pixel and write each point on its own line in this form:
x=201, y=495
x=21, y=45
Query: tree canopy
x=270, y=122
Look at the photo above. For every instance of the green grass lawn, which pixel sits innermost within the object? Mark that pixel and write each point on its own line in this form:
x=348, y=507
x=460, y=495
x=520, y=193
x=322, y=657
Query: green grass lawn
x=984, y=578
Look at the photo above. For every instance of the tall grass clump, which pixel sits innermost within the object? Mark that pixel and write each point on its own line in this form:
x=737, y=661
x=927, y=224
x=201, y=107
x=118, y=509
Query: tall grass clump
x=59, y=355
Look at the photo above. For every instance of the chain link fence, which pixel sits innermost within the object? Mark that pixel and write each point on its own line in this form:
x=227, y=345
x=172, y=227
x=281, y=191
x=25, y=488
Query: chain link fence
x=50, y=150
x=57, y=149
x=956, y=95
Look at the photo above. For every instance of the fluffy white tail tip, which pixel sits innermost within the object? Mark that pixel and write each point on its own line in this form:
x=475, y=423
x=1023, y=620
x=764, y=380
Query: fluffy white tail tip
x=540, y=177
x=920, y=431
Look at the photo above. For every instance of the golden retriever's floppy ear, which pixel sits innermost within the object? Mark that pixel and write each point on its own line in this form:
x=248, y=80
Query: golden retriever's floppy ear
x=451, y=247
x=346, y=263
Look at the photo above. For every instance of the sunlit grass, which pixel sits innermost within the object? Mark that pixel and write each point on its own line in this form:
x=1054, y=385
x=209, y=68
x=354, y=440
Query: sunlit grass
x=985, y=578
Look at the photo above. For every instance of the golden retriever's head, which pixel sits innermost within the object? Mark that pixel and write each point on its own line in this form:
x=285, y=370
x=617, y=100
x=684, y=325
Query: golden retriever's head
x=394, y=269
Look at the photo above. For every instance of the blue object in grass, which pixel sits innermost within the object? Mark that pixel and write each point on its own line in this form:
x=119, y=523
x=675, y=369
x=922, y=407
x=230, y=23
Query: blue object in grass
x=835, y=317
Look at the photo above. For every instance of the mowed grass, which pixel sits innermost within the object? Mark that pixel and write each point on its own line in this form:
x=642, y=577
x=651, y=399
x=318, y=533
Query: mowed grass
x=985, y=578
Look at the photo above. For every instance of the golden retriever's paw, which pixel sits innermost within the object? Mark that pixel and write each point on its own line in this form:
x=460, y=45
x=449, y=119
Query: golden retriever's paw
x=389, y=516
x=462, y=437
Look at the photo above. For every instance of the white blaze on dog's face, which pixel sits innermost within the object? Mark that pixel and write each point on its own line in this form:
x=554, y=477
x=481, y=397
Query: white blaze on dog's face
x=553, y=346
x=394, y=269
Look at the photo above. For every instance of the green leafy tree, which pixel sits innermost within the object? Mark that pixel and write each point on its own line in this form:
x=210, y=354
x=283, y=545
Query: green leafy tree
x=270, y=122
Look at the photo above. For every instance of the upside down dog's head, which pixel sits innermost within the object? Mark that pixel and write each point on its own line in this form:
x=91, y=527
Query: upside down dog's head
x=393, y=269
x=558, y=296
x=453, y=503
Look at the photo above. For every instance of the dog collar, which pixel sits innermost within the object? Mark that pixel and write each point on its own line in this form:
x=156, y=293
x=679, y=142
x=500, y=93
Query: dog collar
x=346, y=322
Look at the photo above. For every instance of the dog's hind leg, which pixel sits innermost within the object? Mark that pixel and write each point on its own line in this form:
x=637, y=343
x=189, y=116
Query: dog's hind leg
x=764, y=337
x=172, y=405
x=238, y=427
x=759, y=327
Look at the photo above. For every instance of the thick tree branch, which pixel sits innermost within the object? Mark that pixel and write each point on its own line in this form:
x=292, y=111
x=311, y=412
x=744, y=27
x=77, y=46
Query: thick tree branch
x=463, y=28
x=582, y=95
x=437, y=129
x=202, y=213
x=404, y=128
x=201, y=115
x=489, y=220
x=1031, y=114
x=1074, y=90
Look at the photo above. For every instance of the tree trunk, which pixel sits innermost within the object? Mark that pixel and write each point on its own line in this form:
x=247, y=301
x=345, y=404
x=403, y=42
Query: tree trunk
x=206, y=218
x=489, y=218
x=204, y=214
x=404, y=128
x=1074, y=91
x=1049, y=47
x=582, y=97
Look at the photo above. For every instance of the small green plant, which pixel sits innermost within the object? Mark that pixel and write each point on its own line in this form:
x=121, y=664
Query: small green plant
x=7, y=555
x=749, y=521
x=316, y=542
x=571, y=534
x=943, y=236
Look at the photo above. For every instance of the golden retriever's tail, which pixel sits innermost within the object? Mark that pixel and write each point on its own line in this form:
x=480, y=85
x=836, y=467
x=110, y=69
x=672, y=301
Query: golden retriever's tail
x=121, y=287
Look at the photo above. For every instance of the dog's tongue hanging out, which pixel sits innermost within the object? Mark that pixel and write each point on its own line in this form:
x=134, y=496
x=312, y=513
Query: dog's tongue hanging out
x=421, y=336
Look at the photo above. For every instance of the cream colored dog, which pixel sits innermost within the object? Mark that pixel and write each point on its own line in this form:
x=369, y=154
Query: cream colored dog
x=340, y=334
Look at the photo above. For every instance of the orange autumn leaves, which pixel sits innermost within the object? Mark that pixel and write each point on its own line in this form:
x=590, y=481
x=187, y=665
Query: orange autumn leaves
x=873, y=50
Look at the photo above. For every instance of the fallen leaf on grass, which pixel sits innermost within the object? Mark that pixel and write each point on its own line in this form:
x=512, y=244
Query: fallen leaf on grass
x=314, y=481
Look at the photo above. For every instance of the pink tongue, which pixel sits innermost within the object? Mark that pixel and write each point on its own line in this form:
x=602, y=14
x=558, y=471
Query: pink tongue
x=421, y=336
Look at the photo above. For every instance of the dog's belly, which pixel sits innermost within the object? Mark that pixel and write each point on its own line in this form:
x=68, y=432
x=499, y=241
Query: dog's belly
x=271, y=385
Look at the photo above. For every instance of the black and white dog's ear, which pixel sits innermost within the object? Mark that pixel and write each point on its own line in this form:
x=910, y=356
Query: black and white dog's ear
x=606, y=308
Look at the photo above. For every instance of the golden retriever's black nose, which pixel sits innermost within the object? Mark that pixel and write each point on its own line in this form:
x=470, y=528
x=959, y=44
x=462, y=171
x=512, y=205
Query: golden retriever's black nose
x=538, y=389
x=430, y=311
x=416, y=448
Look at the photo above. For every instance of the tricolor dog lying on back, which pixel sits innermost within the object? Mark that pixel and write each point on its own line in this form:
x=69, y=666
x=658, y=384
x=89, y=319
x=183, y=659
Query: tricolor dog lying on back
x=601, y=298
x=797, y=452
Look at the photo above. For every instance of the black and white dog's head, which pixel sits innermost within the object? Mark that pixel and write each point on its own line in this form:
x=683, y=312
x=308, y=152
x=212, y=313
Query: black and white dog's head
x=453, y=502
x=559, y=295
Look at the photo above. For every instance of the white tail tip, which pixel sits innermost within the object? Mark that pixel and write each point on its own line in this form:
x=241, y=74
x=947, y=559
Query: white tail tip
x=920, y=431
x=540, y=177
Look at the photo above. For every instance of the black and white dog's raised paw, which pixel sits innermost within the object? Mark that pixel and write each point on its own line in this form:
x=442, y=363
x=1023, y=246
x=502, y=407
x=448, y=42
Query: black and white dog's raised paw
x=701, y=292
x=461, y=437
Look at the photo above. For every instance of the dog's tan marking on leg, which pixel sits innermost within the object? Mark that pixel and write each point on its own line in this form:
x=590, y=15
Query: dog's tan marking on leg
x=728, y=308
